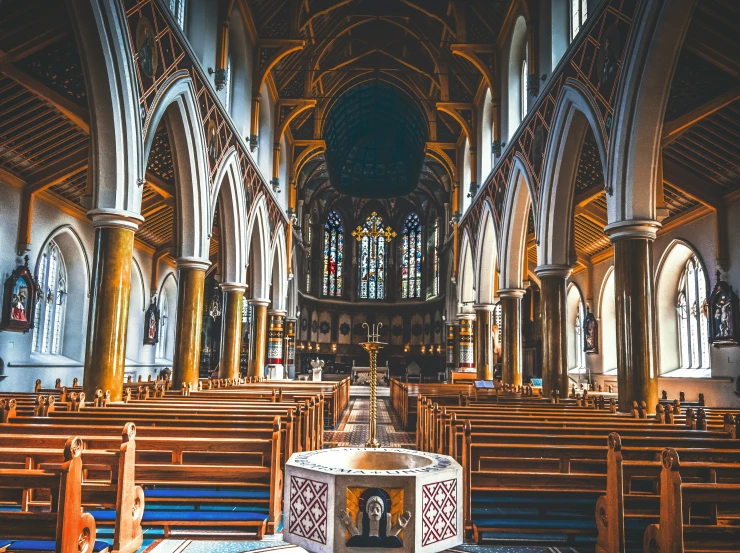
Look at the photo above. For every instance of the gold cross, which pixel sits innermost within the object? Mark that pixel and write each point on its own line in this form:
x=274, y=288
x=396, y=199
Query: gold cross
x=374, y=231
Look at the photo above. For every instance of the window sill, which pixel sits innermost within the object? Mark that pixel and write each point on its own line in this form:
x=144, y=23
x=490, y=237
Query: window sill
x=40, y=361
x=688, y=374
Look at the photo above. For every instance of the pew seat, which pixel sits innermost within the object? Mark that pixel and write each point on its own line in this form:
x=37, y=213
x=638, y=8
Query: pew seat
x=39, y=546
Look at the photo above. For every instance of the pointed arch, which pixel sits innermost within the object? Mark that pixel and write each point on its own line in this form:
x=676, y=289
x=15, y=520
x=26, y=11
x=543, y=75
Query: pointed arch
x=117, y=157
x=516, y=58
x=279, y=273
x=487, y=258
x=608, y=324
x=229, y=190
x=258, y=250
x=467, y=273
x=76, y=243
x=513, y=240
x=642, y=95
x=176, y=105
x=574, y=114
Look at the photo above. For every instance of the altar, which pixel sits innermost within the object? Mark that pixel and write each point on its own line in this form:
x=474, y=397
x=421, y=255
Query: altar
x=361, y=375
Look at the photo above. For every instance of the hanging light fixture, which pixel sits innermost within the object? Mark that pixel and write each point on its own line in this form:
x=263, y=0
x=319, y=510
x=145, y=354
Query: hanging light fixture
x=215, y=309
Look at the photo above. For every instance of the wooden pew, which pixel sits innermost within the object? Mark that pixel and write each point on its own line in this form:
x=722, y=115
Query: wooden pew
x=677, y=532
x=65, y=527
x=631, y=502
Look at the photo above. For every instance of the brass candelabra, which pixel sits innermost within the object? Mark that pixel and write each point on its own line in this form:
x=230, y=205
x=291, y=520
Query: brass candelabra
x=372, y=346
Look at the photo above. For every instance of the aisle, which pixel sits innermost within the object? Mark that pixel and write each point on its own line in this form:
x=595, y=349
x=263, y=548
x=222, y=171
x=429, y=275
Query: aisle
x=352, y=430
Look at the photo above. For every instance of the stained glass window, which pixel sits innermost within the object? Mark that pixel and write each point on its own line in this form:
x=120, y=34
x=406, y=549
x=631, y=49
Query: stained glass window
x=372, y=258
x=411, y=260
x=435, y=258
x=333, y=255
x=580, y=338
x=693, y=326
x=50, y=303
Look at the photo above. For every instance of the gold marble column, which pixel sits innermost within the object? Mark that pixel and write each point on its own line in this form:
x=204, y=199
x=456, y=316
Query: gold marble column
x=259, y=309
x=190, y=294
x=635, y=311
x=511, y=315
x=553, y=283
x=231, y=330
x=484, y=360
x=466, y=342
x=105, y=353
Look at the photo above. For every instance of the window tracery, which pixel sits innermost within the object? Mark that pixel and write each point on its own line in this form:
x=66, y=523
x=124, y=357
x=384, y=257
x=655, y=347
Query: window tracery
x=333, y=255
x=411, y=260
x=693, y=325
x=50, y=303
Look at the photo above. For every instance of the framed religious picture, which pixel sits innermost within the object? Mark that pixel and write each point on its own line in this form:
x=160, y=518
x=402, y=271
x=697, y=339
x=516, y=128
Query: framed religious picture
x=151, y=324
x=722, y=315
x=590, y=333
x=19, y=300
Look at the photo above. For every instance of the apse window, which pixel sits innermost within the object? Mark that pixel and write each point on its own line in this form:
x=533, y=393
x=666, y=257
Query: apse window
x=333, y=255
x=693, y=324
x=372, y=258
x=578, y=15
x=411, y=260
x=50, y=303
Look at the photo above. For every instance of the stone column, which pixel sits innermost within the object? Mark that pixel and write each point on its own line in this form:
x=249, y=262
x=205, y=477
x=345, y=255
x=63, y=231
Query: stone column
x=290, y=330
x=105, y=353
x=484, y=358
x=465, y=341
x=190, y=293
x=635, y=310
x=259, y=310
x=231, y=330
x=275, y=336
x=511, y=314
x=451, y=347
x=553, y=283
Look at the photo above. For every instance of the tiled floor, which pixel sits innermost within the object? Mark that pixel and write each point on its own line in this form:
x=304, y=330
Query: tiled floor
x=352, y=430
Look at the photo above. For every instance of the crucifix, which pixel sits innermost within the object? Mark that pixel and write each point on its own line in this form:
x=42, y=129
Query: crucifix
x=375, y=230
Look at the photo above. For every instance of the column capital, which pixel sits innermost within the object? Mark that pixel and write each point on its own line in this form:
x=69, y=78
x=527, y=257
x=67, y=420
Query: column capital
x=192, y=263
x=466, y=317
x=233, y=287
x=291, y=319
x=277, y=312
x=484, y=306
x=634, y=228
x=259, y=301
x=515, y=293
x=554, y=270
x=115, y=218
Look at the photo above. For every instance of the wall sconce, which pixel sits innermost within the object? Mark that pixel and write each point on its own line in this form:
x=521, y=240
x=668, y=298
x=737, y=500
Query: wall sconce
x=334, y=348
x=423, y=350
x=317, y=347
x=406, y=348
x=308, y=346
x=439, y=349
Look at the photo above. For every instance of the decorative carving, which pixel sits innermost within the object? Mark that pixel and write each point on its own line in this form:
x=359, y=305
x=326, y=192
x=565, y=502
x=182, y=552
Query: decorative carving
x=439, y=510
x=373, y=525
x=308, y=509
x=19, y=300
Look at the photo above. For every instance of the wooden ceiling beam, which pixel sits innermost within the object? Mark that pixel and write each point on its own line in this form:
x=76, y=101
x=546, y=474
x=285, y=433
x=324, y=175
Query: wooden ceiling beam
x=57, y=172
x=593, y=213
x=36, y=43
x=587, y=196
x=78, y=115
x=159, y=186
x=713, y=48
x=693, y=185
x=674, y=129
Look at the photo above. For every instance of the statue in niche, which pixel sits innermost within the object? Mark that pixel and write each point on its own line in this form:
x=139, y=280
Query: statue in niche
x=373, y=525
x=590, y=333
x=723, y=309
x=19, y=300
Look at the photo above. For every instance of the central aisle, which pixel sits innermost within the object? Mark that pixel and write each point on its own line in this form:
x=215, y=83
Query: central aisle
x=352, y=430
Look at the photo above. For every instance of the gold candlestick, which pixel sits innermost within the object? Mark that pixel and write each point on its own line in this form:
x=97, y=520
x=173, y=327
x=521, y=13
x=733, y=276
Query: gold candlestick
x=372, y=346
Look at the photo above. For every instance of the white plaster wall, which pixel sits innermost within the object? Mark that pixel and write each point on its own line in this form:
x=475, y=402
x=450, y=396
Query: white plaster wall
x=201, y=23
x=266, y=133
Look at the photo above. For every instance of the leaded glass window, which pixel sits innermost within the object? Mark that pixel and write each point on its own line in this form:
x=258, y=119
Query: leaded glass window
x=523, y=85
x=164, y=315
x=435, y=258
x=580, y=338
x=333, y=255
x=693, y=326
x=50, y=303
x=372, y=259
x=578, y=15
x=411, y=260
x=177, y=7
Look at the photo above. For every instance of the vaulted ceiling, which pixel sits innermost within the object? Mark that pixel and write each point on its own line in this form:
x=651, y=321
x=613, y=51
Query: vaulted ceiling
x=378, y=48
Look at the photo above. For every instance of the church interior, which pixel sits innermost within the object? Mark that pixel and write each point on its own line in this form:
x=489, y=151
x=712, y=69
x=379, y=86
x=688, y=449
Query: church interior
x=358, y=275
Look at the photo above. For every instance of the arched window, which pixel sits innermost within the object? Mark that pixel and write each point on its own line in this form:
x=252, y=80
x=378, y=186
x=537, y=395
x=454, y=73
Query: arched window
x=177, y=7
x=372, y=258
x=227, y=93
x=333, y=255
x=435, y=257
x=411, y=261
x=693, y=327
x=164, y=315
x=578, y=15
x=50, y=304
x=523, y=84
